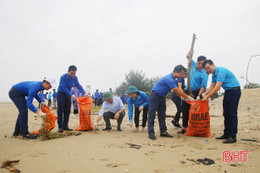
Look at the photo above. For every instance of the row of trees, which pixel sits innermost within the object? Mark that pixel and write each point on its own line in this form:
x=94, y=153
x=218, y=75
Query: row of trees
x=136, y=78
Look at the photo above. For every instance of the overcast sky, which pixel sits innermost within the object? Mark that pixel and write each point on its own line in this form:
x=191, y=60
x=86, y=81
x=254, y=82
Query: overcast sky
x=107, y=38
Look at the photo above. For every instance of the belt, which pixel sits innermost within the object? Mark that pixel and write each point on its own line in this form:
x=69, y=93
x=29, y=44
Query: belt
x=235, y=88
x=156, y=94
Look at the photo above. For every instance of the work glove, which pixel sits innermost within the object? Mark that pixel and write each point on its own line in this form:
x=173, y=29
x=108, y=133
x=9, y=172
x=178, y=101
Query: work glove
x=87, y=95
x=141, y=108
x=190, y=99
x=74, y=97
x=43, y=104
x=198, y=98
x=41, y=114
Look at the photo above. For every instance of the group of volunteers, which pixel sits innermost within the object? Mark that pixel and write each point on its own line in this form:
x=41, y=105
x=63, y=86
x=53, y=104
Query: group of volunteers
x=138, y=101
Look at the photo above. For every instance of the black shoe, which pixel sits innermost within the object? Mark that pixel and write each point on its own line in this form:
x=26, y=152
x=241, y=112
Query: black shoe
x=15, y=134
x=222, y=137
x=230, y=140
x=67, y=129
x=60, y=130
x=166, y=135
x=119, y=129
x=30, y=136
x=152, y=136
x=176, y=124
x=107, y=128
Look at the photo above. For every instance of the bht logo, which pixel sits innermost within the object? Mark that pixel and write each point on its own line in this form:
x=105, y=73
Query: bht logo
x=231, y=156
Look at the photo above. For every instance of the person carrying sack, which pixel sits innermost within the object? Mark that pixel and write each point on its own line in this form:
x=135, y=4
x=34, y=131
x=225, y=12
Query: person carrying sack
x=30, y=90
x=140, y=101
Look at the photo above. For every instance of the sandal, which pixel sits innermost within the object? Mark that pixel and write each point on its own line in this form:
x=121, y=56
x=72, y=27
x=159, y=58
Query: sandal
x=135, y=130
x=144, y=130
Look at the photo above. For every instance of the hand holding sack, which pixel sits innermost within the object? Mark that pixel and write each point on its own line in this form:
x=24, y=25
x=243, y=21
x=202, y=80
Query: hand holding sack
x=199, y=119
x=49, y=116
x=85, y=105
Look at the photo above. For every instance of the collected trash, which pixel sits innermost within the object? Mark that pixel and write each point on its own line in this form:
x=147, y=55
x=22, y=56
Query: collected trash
x=253, y=140
x=134, y=146
x=193, y=160
x=85, y=105
x=9, y=165
x=206, y=161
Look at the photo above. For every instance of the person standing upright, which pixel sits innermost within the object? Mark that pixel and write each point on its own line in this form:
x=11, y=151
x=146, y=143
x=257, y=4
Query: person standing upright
x=64, y=95
x=96, y=98
x=54, y=98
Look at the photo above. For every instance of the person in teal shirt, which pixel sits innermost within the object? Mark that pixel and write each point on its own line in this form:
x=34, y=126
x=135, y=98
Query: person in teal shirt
x=222, y=77
x=140, y=101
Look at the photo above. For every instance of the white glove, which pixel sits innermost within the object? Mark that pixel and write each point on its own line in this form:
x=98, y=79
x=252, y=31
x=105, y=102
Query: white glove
x=87, y=95
x=203, y=95
x=198, y=98
x=74, y=97
x=141, y=108
x=95, y=125
x=190, y=99
x=41, y=114
x=43, y=104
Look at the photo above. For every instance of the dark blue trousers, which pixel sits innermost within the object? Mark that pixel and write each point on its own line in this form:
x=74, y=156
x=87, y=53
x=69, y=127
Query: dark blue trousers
x=178, y=103
x=156, y=104
x=230, y=106
x=22, y=120
x=64, y=104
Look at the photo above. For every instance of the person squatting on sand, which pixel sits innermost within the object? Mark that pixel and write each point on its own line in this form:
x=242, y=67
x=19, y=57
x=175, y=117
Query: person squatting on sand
x=115, y=110
x=222, y=77
x=30, y=90
x=64, y=97
x=198, y=82
x=140, y=101
x=157, y=100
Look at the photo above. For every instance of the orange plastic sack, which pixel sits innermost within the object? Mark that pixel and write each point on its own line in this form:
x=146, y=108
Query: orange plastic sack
x=47, y=125
x=85, y=105
x=199, y=119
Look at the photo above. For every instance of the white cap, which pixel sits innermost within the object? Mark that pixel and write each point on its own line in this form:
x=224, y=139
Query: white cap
x=51, y=80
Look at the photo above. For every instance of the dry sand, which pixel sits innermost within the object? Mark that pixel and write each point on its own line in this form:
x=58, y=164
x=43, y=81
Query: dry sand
x=99, y=151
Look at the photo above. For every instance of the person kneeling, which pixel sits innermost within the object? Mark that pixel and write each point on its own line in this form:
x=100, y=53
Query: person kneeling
x=115, y=110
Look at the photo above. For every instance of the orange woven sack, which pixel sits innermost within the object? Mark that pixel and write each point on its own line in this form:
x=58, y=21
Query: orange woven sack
x=47, y=125
x=85, y=105
x=199, y=119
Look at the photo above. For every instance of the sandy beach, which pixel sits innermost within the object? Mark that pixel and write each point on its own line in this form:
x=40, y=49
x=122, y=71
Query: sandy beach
x=99, y=151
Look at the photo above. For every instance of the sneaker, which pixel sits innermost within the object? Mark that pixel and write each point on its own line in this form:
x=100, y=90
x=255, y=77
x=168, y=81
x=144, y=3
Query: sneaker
x=60, y=130
x=67, y=129
x=119, y=129
x=15, y=134
x=222, y=137
x=166, y=135
x=230, y=140
x=30, y=136
x=176, y=124
x=152, y=136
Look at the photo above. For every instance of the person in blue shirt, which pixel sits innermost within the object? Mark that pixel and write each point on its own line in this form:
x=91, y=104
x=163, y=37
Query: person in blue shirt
x=198, y=84
x=64, y=97
x=18, y=94
x=111, y=91
x=45, y=96
x=54, y=98
x=96, y=94
x=41, y=95
x=222, y=77
x=157, y=100
x=100, y=98
x=177, y=101
x=140, y=101
x=49, y=99
x=123, y=98
x=115, y=110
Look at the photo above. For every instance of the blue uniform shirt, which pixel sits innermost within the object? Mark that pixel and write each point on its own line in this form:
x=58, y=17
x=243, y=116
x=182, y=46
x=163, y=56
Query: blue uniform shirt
x=101, y=95
x=30, y=89
x=114, y=107
x=142, y=99
x=164, y=85
x=198, y=78
x=227, y=77
x=40, y=95
x=54, y=95
x=96, y=95
x=66, y=84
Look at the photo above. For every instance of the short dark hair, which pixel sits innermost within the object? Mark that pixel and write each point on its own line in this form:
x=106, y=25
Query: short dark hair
x=179, y=68
x=201, y=58
x=208, y=61
x=72, y=68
